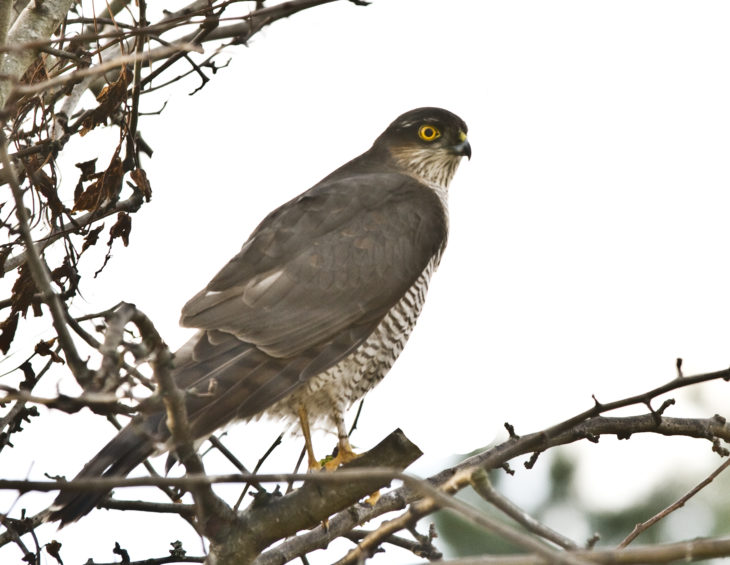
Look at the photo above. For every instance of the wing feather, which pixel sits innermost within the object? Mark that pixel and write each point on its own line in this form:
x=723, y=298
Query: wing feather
x=342, y=253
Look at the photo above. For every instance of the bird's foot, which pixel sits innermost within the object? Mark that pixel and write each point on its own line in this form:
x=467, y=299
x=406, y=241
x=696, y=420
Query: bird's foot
x=372, y=500
x=345, y=454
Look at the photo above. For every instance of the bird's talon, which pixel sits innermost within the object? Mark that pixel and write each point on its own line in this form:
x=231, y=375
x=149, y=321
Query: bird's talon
x=372, y=500
x=343, y=456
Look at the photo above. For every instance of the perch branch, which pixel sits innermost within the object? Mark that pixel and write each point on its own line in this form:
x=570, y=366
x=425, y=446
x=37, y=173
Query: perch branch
x=586, y=424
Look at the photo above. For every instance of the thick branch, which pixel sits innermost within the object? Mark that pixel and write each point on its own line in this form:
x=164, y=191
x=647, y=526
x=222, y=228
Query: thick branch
x=322, y=495
x=36, y=23
x=711, y=429
x=259, y=527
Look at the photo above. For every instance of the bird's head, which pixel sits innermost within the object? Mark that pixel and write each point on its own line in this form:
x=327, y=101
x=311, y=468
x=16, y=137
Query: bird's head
x=427, y=143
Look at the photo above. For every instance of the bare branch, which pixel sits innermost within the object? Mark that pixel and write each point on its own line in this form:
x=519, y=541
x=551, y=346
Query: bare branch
x=131, y=204
x=211, y=510
x=174, y=558
x=322, y=495
x=691, y=550
x=421, y=548
x=36, y=22
x=481, y=484
x=154, y=507
x=435, y=498
x=102, y=68
x=640, y=528
x=40, y=273
x=100, y=403
x=586, y=424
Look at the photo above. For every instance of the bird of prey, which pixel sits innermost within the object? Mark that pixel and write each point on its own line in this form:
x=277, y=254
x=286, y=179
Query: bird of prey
x=315, y=308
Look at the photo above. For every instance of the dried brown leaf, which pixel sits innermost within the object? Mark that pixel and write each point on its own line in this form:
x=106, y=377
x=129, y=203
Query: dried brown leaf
x=139, y=176
x=90, y=198
x=44, y=183
x=88, y=172
x=36, y=72
x=121, y=228
x=4, y=254
x=29, y=377
x=111, y=96
x=105, y=188
x=88, y=169
x=65, y=271
x=7, y=331
x=44, y=348
x=23, y=292
x=91, y=238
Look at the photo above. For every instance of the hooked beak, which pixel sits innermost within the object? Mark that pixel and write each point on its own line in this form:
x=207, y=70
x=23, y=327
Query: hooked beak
x=462, y=148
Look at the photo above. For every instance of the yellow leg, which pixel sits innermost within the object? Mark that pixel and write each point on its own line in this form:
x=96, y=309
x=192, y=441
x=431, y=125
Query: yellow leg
x=312, y=460
x=304, y=421
x=345, y=453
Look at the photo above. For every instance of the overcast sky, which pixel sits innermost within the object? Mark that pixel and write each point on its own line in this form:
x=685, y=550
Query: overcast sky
x=589, y=231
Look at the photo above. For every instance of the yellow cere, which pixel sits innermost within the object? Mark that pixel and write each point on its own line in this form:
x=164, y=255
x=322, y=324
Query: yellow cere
x=428, y=132
x=462, y=136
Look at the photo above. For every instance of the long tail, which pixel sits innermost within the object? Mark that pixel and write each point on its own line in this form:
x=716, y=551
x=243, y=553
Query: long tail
x=246, y=382
x=122, y=454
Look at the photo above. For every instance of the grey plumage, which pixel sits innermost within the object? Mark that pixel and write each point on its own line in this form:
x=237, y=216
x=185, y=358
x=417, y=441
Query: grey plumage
x=319, y=302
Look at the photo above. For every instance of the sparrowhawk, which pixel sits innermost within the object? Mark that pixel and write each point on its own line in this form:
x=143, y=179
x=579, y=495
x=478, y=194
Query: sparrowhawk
x=317, y=305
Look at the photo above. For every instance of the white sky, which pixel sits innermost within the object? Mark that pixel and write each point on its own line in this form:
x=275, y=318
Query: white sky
x=589, y=232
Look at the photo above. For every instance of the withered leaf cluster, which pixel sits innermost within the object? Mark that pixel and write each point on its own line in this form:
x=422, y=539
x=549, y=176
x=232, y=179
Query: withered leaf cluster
x=104, y=187
x=111, y=98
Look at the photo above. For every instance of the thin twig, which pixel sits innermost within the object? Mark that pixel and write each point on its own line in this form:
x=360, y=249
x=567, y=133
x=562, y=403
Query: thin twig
x=101, y=403
x=102, y=68
x=144, y=506
x=39, y=271
x=643, y=526
x=215, y=442
x=131, y=204
x=160, y=560
x=96, y=344
x=132, y=152
x=698, y=549
x=435, y=498
x=418, y=548
x=481, y=484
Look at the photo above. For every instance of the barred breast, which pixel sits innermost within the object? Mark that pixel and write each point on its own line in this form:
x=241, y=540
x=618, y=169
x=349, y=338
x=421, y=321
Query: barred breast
x=336, y=389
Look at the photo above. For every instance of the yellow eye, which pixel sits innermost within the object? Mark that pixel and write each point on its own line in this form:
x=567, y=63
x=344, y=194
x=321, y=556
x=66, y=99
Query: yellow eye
x=428, y=132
